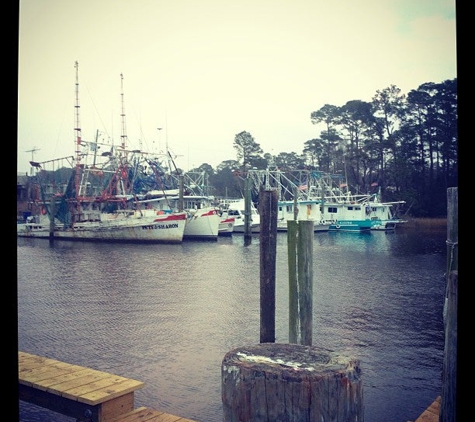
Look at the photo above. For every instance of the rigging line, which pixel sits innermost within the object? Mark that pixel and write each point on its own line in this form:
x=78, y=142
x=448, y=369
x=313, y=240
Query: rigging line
x=97, y=111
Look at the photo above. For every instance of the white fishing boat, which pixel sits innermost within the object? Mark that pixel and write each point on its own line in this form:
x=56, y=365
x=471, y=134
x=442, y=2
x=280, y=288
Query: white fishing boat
x=96, y=203
x=235, y=208
x=203, y=219
x=351, y=212
x=123, y=226
x=299, y=210
x=326, y=200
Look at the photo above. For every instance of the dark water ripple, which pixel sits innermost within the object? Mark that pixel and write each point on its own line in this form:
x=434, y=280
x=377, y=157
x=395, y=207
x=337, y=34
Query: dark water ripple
x=167, y=314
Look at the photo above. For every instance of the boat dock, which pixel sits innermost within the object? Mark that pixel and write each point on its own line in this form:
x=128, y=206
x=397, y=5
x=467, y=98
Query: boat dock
x=431, y=414
x=83, y=393
x=95, y=396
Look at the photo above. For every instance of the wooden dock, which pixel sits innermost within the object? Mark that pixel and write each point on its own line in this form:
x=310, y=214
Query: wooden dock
x=431, y=414
x=83, y=393
x=96, y=396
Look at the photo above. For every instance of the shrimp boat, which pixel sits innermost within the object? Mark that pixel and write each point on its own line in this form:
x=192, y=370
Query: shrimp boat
x=203, y=215
x=316, y=196
x=95, y=203
x=124, y=226
x=203, y=219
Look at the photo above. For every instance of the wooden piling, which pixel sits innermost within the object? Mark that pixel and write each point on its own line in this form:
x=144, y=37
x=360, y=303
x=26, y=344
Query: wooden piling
x=247, y=209
x=300, y=261
x=181, y=189
x=292, y=383
x=448, y=404
x=268, y=251
x=294, y=321
x=51, y=214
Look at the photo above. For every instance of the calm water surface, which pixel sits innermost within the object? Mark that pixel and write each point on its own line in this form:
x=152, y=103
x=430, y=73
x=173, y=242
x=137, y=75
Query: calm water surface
x=167, y=314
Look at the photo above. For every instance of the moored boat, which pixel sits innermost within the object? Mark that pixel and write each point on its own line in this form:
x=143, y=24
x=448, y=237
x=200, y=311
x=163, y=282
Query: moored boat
x=325, y=199
x=305, y=209
x=226, y=226
x=97, y=203
x=124, y=226
x=236, y=209
x=203, y=220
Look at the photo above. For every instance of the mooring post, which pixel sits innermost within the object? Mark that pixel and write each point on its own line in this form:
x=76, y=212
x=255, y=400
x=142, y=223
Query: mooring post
x=294, y=321
x=247, y=208
x=51, y=214
x=180, y=192
x=305, y=280
x=268, y=251
x=292, y=383
x=448, y=404
x=300, y=262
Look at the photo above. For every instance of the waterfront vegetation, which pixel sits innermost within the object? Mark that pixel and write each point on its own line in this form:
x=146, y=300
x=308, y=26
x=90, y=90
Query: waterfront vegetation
x=433, y=224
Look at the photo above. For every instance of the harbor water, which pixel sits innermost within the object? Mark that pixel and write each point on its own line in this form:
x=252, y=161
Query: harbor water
x=167, y=314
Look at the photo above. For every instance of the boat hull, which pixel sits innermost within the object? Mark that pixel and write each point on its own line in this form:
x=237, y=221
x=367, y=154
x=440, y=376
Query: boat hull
x=239, y=228
x=386, y=225
x=357, y=226
x=226, y=227
x=317, y=226
x=202, y=224
x=167, y=228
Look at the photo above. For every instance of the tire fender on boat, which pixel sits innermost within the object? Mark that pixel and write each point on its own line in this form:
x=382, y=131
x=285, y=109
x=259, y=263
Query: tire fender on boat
x=337, y=226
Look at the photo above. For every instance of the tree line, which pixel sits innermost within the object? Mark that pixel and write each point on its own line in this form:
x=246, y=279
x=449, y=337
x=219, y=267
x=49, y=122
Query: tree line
x=407, y=145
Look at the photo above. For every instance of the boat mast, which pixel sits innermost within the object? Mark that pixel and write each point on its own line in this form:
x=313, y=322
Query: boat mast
x=77, y=130
x=123, y=135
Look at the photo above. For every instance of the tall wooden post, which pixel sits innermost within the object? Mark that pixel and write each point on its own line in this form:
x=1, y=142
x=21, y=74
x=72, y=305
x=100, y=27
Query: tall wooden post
x=268, y=251
x=448, y=404
x=294, y=321
x=300, y=260
x=247, y=208
x=180, y=192
x=305, y=280
x=51, y=214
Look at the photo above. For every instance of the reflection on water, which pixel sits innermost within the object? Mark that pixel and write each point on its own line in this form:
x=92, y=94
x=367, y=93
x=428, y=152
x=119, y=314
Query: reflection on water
x=167, y=314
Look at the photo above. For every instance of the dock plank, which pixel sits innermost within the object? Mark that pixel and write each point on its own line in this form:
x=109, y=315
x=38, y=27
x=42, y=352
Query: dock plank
x=80, y=385
x=38, y=375
x=145, y=414
x=72, y=390
x=431, y=414
x=113, y=390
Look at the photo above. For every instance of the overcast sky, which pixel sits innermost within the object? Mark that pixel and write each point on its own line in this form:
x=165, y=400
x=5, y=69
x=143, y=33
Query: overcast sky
x=206, y=70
